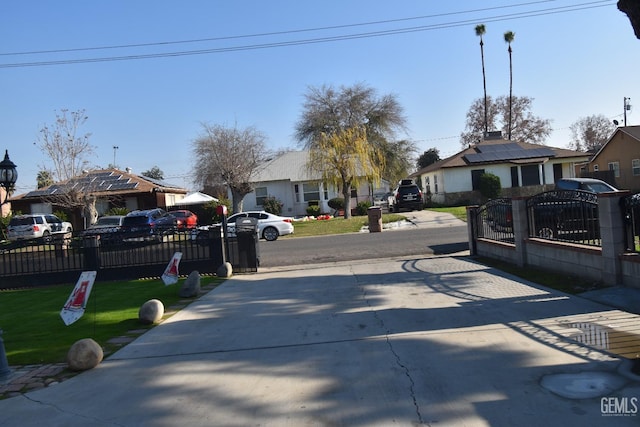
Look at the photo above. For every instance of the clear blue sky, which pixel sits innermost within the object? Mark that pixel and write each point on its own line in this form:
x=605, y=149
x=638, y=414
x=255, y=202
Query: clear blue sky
x=576, y=58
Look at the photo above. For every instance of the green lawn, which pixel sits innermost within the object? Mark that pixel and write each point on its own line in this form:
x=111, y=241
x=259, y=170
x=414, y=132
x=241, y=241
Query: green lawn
x=34, y=332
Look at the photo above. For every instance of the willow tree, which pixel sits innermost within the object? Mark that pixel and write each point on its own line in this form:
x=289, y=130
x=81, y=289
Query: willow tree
x=344, y=158
x=332, y=115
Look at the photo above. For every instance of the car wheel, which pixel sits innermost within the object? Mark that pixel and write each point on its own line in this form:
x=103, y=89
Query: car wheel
x=270, y=234
x=46, y=237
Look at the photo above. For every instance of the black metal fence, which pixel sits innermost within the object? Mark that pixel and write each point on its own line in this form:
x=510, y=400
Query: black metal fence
x=631, y=210
x=494, y=220
x=565, y=215
x=34, y=263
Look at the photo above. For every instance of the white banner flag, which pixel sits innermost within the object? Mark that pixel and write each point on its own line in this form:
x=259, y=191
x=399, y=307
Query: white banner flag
x=170, y=275
x=74, y=307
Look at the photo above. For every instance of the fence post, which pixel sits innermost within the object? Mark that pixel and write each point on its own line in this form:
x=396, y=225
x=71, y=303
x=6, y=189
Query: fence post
x=472, y=216
x=520, y=228
x=91, y=253
x=612, y=233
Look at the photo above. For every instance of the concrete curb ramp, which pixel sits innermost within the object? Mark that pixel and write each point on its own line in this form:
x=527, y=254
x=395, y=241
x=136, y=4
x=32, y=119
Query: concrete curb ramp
x=435, y=341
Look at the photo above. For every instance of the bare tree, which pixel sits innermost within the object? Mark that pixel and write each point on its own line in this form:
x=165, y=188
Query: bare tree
x=69, y=150
x=332, y=116
x=229, y=156
x=590, y=133
x=525, y=127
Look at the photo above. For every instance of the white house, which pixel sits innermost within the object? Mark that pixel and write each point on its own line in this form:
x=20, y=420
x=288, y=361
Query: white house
x=287, y=178
x=523, y=168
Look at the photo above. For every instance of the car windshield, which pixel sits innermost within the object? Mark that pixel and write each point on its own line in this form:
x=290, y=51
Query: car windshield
x=600, y=187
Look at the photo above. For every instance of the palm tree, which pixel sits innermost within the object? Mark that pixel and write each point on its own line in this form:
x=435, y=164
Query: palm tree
x=480, y=30
x=508, y=37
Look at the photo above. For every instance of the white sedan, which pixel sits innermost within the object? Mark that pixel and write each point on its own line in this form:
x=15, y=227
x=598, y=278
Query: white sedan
x=270, y=226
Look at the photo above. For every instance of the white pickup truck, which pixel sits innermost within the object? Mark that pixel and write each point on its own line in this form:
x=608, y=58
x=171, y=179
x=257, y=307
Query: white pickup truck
x=36, y=226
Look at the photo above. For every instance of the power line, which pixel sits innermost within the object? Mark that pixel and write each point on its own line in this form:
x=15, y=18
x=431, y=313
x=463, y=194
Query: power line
x=326, y=39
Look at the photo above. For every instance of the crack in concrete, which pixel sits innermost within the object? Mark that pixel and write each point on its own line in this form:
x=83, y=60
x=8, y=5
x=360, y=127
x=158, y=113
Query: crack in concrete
x=402, y=366
x=75, y=414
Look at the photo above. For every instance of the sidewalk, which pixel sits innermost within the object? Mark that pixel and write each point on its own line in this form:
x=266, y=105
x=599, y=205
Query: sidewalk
x=439, y=340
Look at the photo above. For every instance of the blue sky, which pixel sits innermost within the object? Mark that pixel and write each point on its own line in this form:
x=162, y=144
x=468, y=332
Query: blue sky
x=575, y=58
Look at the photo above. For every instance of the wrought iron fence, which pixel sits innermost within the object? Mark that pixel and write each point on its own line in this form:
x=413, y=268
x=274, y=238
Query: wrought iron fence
x=34, y=262
x=565, y=215
x=494, y=220
x=631, y=212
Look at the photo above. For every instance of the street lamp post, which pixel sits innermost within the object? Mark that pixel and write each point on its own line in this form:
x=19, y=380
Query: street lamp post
x=8, y=178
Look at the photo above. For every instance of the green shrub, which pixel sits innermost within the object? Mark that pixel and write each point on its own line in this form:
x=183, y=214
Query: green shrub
x=362, y=207
x=272, y=205
x=62, y=215
x=313, y=210
x=211, y=217
x=117, y=211
x=490, y=186
x=337, y=203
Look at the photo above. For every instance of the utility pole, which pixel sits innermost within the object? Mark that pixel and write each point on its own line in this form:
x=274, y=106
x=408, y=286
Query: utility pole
x=626, y=107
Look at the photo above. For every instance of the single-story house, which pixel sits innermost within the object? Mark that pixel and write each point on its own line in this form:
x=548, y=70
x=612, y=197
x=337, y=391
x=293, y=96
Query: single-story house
x=620, y=155
x=523, y=168
x=287, y=178
x=113, y=188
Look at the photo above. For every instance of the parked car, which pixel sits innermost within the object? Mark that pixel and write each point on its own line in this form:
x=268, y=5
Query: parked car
x=107, y=227
x=577, y=215
x=150, y=224
x=185, y=220
x=270, y=226
x=36, y=226
x=406, y=196
x=382, y=199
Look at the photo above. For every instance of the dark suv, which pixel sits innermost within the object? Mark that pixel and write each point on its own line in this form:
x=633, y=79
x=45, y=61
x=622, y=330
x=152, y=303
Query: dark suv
x=406, y=196
x=150, y=224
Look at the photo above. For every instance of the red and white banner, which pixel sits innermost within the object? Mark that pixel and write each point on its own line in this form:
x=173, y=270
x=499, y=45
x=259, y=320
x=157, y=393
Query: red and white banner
x=170, y=275
x=73, y=309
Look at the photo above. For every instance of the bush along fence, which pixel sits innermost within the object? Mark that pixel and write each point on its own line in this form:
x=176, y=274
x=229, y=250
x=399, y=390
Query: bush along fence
x=582, y=234
x=34, y=263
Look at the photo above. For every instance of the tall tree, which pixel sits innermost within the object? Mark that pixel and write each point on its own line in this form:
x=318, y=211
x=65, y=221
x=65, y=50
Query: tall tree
x=331, y=115
x=155, y=173
x=480, y=30
x=398, y=159
x=229, y=156
x=427, y=158
x=590, y=133
x=525, y=127
x=508, y=38
x=69, y=151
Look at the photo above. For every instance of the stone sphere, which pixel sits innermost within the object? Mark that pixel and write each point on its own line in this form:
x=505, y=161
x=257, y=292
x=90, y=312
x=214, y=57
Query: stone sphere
x=151, y=311
x=225, y=270
x=84, y=354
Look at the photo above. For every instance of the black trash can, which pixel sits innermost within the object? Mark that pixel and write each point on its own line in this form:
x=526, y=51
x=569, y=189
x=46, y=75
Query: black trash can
x=247, y=240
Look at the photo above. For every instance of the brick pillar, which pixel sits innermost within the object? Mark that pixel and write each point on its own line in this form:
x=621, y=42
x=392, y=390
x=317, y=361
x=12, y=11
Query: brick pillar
x=612, y=230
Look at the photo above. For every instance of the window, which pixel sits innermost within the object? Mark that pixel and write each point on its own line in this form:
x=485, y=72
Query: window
x=475, y=179
x=296, y=190
x=615, y=167
x=635, y=167
x=261, y=194
x=515, y=180
x=435, y=183
x=530, y=175
x=311, y=191
x=596, y=168
x=427, y=185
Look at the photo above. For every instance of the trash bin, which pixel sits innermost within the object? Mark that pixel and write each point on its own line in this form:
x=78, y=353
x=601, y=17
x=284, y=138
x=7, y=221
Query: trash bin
x=247, y=238
x=375, y=219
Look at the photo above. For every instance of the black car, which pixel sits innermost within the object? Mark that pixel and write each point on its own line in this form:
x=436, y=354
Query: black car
x=150, y=224
x=406, y=196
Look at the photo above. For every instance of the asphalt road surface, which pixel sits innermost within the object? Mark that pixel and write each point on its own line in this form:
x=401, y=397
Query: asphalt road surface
x=431, y=234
